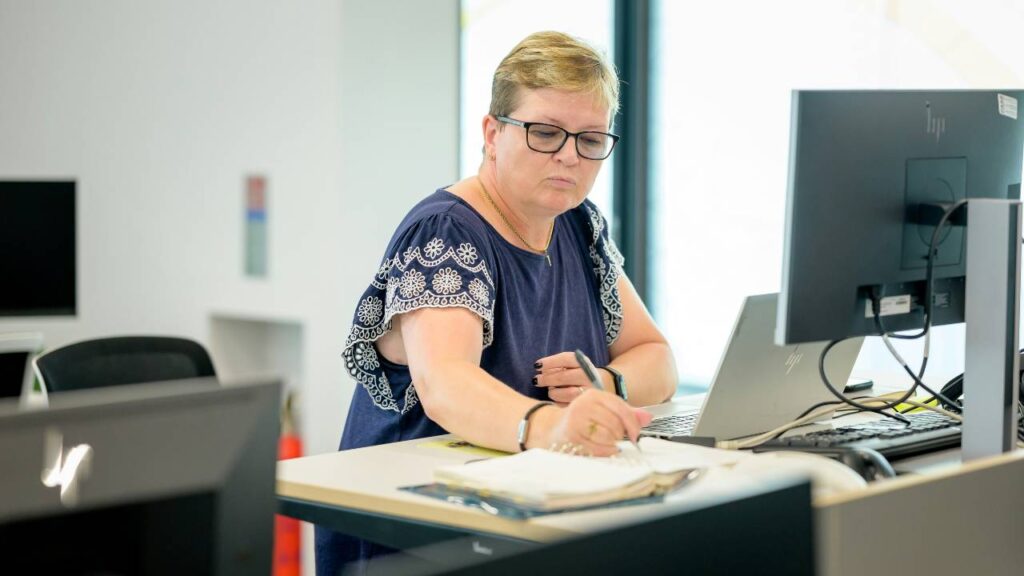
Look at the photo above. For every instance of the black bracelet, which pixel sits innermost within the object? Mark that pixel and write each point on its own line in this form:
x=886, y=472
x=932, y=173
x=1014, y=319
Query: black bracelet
x=620, y=382
x=524, y=424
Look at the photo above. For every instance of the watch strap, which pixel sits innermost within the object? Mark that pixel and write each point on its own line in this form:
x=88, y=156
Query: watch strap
x=620, y=382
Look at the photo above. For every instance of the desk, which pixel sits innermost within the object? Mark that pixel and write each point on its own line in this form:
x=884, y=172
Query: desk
x=962, y=519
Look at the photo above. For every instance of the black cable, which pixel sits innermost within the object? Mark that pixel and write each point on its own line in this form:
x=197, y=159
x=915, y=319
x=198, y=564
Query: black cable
x=879, y=409
x=813, y=408
x=825, y=403
x=816, y=406
x=929, y=280
x=929, y=274
x=917, y=378
x=876, y=310
x=939, y=395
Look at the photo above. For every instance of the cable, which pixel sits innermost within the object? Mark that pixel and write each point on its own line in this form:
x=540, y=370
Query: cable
x=766, y=436
x=926, y=330
x=929, y=275
x=827, y=403
x=917, y=379
x=811, y=416
x=851, y=402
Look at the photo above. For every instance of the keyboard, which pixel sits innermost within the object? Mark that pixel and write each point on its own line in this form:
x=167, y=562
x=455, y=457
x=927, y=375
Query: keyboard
x=672, y=425
x=928, y=432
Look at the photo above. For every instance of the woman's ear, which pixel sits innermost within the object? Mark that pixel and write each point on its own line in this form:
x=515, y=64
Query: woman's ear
x=490, y=128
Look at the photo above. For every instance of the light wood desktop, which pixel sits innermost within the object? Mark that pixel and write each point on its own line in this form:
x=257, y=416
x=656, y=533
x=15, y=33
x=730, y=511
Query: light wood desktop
x=950, y=520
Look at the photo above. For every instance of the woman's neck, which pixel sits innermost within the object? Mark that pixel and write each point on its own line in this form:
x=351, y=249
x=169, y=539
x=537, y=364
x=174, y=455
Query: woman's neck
x=536, y=231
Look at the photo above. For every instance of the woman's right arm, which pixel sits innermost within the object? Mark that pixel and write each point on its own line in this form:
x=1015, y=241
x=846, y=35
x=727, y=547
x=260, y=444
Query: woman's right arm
x=443, y=347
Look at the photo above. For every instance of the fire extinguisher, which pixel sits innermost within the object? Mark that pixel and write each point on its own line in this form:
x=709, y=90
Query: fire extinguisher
x=287, y=531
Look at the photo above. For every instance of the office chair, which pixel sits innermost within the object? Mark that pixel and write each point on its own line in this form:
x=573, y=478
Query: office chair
x=121, y=360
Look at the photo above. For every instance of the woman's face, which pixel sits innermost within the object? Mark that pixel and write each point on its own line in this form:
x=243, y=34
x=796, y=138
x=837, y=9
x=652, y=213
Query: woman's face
x=546, y=184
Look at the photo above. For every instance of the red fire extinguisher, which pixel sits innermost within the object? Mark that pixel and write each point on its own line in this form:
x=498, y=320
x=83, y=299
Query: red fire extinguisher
x=287, y=531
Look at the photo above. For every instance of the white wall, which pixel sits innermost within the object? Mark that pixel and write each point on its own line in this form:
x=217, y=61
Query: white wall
x=158, y=109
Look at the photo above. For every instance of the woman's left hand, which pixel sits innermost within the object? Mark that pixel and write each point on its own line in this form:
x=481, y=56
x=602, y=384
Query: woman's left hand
x=565, y=380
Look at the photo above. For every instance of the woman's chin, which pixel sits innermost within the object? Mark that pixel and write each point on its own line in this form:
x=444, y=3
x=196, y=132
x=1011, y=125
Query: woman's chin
x=561, y=200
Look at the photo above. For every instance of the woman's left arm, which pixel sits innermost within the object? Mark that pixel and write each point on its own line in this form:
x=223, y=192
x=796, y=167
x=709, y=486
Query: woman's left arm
x=641, y=352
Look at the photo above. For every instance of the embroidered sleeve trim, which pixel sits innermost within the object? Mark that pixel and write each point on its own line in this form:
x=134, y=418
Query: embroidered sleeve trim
x=407, y=288
x=607, y=262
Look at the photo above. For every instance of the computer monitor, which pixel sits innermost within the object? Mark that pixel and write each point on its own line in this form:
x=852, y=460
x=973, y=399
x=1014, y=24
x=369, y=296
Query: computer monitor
x=861, y=165
x=163, y=478
x=37, y=248
x=16, y=350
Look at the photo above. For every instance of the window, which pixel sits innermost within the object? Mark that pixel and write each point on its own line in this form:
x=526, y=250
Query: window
x=490, y=28
x=721, y=89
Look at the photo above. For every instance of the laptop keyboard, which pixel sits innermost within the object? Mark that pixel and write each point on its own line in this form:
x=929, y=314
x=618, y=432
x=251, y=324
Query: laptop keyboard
x=673, y=425
x=928, y=431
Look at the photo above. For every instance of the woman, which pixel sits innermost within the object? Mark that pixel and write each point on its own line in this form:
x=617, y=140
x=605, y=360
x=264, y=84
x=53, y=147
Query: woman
x=488, y=286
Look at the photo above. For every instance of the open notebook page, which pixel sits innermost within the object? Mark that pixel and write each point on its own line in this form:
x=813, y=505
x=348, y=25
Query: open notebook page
x=667, y=457
x=540, y=475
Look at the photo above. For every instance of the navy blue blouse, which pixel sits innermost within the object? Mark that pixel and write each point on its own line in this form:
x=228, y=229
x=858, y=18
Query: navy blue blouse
x=444, y=254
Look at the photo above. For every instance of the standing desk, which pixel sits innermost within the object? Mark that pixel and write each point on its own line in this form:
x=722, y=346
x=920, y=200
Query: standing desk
x=958, y=519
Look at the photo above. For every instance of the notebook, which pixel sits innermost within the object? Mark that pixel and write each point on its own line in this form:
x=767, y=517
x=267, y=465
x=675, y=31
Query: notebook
x=544, y=480
x=758, y=385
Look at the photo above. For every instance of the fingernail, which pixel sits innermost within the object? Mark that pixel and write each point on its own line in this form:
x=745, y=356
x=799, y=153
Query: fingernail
x=537, y=365
x=534, y=380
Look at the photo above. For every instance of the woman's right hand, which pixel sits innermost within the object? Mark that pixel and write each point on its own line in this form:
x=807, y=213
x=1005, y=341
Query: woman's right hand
x=596, y=421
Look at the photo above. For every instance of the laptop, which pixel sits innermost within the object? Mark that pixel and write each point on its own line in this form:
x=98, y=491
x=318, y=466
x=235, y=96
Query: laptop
x=758, y=386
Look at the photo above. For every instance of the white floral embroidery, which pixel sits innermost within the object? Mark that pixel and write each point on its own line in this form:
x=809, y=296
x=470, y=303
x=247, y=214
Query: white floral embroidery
x=366, y=356
x=412, y=283
x=478, y=290
x=434, y=248
x=393, y=284
x=370, y=310
x=607, y=274
x=446, y=281
x=404, y=288
x=467, y=252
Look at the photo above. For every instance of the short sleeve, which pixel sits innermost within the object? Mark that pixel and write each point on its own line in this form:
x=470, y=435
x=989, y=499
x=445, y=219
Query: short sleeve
x=607, y=263
x=435, y=263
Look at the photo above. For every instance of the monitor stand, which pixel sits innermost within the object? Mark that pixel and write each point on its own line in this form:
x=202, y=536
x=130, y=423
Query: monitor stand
x=992, y=315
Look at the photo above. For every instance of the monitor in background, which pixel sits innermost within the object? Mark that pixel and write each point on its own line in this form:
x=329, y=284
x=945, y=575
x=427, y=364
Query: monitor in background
x=37, y=248
x=861, y=165
x=16, y=350
x=163, y=478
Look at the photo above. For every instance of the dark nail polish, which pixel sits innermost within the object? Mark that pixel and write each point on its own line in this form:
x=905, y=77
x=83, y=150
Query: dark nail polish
x=537, y=365
x=534, y=380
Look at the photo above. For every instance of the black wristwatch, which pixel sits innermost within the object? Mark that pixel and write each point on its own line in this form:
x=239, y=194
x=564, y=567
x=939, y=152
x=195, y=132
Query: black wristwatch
x=620, y=383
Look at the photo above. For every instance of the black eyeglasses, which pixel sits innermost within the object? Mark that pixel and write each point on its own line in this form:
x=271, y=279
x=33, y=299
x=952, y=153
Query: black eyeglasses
x=549, y=139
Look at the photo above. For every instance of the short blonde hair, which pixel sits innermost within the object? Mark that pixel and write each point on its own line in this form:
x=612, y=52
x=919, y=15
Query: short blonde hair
x=554, y=60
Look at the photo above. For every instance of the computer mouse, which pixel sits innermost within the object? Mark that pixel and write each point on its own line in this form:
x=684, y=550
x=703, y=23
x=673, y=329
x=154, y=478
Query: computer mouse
x=827, y=476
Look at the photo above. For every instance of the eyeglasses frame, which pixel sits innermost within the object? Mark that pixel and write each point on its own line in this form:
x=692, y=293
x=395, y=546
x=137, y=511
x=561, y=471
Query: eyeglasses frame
x=575, y=135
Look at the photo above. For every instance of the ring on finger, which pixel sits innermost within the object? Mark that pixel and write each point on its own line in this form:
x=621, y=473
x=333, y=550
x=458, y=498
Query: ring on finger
x=580, y=388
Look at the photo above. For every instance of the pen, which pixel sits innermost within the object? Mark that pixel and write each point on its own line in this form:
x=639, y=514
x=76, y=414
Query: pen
x=595, y=381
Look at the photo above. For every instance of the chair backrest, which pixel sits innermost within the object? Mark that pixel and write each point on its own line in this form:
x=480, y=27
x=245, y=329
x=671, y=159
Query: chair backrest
x=122, y=360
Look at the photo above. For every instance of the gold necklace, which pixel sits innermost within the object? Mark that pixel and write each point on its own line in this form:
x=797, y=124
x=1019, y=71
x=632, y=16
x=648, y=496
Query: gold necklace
x=551, y=231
